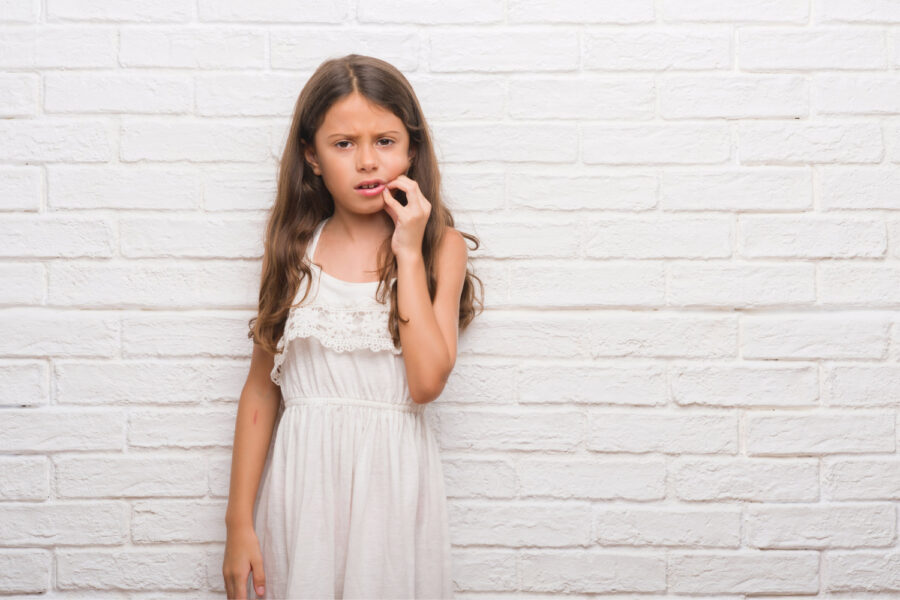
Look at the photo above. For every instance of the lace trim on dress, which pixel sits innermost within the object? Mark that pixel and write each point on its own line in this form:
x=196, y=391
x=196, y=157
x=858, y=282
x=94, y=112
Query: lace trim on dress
x=341, y=328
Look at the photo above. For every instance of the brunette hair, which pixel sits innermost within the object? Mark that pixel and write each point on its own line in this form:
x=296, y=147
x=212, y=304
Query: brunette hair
x=302, y=201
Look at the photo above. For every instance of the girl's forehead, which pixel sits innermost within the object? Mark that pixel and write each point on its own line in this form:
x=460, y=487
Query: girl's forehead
x=355, y=113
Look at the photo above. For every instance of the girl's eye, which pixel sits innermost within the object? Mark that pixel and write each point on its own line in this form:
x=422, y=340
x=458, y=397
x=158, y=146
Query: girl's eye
x=338, y=144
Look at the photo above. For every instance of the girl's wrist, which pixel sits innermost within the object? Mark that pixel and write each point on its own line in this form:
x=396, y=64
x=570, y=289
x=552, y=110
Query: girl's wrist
x=409, y=257
x=239, y=522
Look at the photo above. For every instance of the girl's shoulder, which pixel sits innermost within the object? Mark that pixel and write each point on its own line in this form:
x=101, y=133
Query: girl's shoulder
x=452, y=254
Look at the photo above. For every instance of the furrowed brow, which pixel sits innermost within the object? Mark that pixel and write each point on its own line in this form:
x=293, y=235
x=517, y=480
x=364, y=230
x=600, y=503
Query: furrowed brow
x=353, y=137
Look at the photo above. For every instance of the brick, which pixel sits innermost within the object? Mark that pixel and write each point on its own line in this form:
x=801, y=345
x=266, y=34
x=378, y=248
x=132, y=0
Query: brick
x=143, y=381
x=153, y=282
x=772, y=49
x=521, y=523
x=174, y=521
x=56, y=429
x=24, y=478
x=108, y=92
x=873, y=478
x=821, y=526
x=103, y=523
x=862, y=385
x=56, y=140
x=192, y=47
x=648, y=430
x=862, y=571
x=775, y=571
x=521, y=49
x=726, y=189
x=735, y=11
x=24, y=384
x=670, y=143
x=19, y=92
x=147, y=570
x=56, y=237
x=748, y=384
x=671, y=237
x=814, y=336
x=592, y=571
x=29, y=332
x=657, y=49
x=795, y=143
x=431, y=13
x=298, y=49
x=192, y=140
x=85, y=10
x=130, y=475
x=741, y=284
x=749, y=479
x=149, y=187
x=733, y=96
x=661, y=336
x=593, y=383
x=703, y=527
x=25, y=571
x=192, y=237
x=561, y=430
x=173, y=428
x=598, y=478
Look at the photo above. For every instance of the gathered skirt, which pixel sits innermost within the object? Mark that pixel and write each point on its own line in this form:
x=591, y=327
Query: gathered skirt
x=352, y=503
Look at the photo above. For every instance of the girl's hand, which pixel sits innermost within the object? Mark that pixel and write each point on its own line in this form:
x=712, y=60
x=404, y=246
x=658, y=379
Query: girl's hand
x=409, y=220
x=242, y=555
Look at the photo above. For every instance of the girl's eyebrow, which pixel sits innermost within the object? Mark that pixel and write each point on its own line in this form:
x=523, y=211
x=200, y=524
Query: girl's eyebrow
x=348, y=135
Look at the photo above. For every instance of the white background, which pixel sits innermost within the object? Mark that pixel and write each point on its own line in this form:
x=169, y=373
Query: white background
x=686, y=377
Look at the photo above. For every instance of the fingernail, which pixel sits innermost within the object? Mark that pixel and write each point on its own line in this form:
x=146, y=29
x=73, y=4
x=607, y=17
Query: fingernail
x=260, y=590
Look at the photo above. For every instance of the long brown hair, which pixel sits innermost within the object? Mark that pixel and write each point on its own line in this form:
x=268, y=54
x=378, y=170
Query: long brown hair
x=302, y=201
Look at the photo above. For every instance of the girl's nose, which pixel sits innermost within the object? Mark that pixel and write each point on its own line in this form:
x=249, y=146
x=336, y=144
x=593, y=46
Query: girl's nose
x=366, y=157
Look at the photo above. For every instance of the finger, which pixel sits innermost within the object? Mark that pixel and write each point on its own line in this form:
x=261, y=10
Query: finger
x=241, y=588
x=232, y=586
x=402, y=182
x=398, y=193
x=391, y=214
x=392, y=204
x=259, y=576
x=411, y=188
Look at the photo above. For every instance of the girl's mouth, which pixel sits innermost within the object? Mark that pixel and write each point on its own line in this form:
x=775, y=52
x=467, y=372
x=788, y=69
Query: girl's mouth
x=371, y=191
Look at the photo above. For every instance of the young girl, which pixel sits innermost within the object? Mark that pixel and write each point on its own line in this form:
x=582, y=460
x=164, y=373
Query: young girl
x=364, y=290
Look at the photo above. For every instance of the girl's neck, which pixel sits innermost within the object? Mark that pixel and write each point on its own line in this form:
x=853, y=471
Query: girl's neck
x=360, y=230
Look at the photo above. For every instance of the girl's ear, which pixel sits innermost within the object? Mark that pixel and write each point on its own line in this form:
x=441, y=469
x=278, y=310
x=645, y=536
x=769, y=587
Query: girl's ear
x=310, y=156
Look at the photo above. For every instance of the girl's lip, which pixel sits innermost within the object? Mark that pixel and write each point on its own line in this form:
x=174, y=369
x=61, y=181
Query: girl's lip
x=371, y=192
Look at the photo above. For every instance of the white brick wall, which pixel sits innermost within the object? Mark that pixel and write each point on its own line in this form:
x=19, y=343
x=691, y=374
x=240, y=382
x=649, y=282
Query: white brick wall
x=686, y=379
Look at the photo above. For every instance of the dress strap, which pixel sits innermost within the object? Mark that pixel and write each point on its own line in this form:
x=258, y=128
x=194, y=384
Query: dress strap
x=311, y=246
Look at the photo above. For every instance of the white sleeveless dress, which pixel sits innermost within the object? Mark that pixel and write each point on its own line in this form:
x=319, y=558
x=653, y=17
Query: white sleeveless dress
x=351, y=502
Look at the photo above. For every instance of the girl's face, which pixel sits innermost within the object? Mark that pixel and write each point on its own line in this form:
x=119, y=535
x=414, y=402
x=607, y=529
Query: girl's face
x=359, y=141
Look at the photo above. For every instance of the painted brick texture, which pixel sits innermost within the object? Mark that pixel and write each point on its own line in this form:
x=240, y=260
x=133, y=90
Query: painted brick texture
x=685, y=381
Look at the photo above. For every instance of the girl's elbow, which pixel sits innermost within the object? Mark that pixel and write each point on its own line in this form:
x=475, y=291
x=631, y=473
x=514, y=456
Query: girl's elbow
x=426, y=387
x=420, y=397
x=426, y=393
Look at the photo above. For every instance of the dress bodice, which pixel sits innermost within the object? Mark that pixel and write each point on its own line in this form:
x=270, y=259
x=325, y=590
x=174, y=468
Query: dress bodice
x=336, y=342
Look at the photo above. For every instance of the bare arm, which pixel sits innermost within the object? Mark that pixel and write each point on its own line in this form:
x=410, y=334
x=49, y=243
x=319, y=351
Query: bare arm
x=430, y=334
x=430, y=337
x=253, y=430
